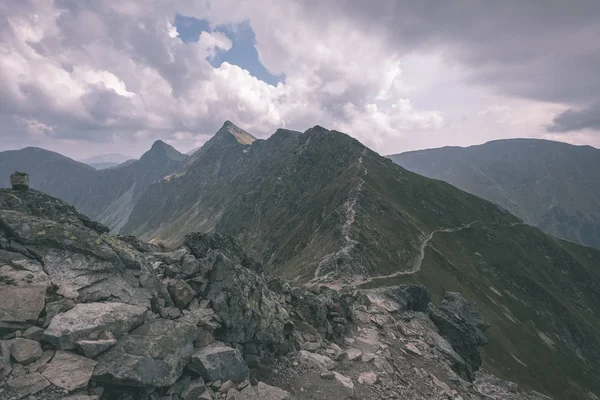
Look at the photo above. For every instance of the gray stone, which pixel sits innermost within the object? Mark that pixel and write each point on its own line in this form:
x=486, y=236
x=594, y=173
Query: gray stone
x=310, y=346
x=19, y=181
x=56, y=307
x=174, y=256
x=409, y=297
x=317, y=360
x=368, y=378
x=42, y=361
x=262, y=391
x=81, y=397
x=25, y=351
x=154, y=354
x=411, y=348
x=33, y=333
x=5, y=365
x=28, y=384
x=329, y=375
x=219, y=362
x=88, y=321
x=459, y=322
x=239, y=296
x=91, y=348
x=69, y=371
x=193, y=390
x=181, y=292
x=353, y=353
x=20, y=307
x=345, y=384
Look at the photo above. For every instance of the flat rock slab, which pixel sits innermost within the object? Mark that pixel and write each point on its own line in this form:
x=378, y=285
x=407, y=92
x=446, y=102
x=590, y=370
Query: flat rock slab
x=317, y=360
x=262, y=391
x=25, y=351
x=90, y=320
x=69, y=371
x=28, y=384
x=345, y=384
x=20, y=307
x=219, y=362
x=154, y=354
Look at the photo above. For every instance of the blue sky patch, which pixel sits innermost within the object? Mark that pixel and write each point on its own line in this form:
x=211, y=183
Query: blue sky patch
x=242, y=53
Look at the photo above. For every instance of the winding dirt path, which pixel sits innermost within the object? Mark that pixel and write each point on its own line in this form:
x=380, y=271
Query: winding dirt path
x=350, y=210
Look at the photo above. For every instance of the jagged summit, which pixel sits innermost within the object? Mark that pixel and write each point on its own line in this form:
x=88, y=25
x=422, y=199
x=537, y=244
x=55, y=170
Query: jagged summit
x=229, y=129
x=162, y=149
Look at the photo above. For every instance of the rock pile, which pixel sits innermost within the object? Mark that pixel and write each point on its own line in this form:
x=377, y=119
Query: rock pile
x=86, y=315
x=19, y=181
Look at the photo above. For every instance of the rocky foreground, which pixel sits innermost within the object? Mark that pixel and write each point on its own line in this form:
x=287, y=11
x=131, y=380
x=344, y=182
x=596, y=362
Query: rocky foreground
x=87, y=315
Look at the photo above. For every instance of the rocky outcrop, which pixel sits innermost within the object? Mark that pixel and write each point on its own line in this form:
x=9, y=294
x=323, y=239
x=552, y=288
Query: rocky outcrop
x=96, y=317
x=459, y=322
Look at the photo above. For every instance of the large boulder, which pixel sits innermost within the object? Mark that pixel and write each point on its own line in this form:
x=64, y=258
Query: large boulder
x=459, y=322
x=154, y=354
x=90, y=320
x=249, y=311
x=219, y=362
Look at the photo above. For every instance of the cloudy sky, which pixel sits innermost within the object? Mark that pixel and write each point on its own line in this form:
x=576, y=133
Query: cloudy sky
x=111, y=76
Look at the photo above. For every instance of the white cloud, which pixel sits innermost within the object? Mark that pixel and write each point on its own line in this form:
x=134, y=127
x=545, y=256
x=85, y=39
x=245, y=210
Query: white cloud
x=116, y=73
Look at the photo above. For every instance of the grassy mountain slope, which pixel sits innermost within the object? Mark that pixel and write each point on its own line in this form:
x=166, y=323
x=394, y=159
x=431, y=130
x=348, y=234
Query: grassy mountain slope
x=319, y=206
x=554, y=186
x=106, y=195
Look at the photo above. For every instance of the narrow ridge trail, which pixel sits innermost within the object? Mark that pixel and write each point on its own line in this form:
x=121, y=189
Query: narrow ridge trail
x=419, y=260
x=350, y=210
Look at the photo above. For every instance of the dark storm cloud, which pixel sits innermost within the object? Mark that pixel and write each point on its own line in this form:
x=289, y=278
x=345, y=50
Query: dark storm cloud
x=574, y=120
x=542, y=50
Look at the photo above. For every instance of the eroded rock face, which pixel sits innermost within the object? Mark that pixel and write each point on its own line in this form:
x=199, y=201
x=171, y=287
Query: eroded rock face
x=241, y=298
x=410, y=297
x=461, y=324
x=90, y=320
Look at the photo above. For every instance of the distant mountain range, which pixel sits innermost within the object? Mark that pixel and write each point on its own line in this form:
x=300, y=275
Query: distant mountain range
x=103, y=161
x=554, y=186
x=318, y=207
x=107, y=195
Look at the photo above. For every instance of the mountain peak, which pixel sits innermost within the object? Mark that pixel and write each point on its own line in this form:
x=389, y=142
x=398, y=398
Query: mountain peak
x=160, y=148
x=229, y=129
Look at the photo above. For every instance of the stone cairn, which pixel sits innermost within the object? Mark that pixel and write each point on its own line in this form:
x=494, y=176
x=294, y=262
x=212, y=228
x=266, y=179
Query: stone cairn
x=19, y=181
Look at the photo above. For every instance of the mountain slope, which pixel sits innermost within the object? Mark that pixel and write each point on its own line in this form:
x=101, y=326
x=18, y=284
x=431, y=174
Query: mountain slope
x=554, y=186
x=48, y=171
x=106, y=195
x=320, y=207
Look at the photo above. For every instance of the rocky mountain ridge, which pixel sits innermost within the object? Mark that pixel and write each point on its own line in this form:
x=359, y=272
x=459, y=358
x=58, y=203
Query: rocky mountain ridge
x=88, y=315
x=320, y=208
